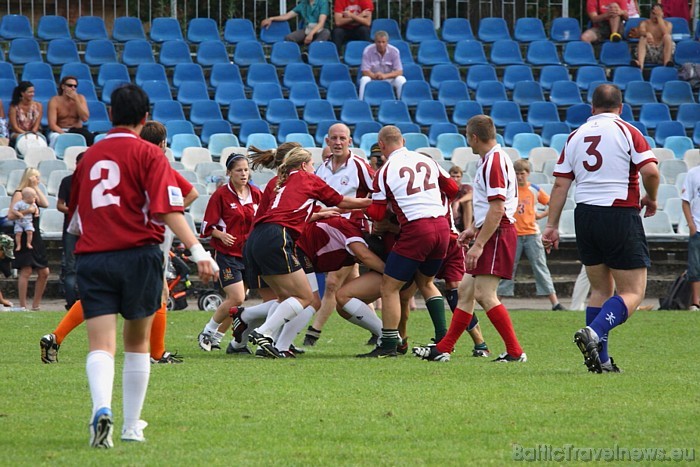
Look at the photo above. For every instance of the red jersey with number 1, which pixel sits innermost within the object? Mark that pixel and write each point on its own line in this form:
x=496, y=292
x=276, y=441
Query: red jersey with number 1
x=120, y=185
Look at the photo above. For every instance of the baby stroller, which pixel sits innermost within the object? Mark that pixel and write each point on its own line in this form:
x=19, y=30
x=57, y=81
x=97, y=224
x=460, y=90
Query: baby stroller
x=180, y=286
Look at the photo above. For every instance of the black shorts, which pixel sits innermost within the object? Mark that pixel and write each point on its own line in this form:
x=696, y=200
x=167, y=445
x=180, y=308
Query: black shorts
x=612, y=236
x=231, y=269
x=269, y=251
x=128, y=282
x=304, y=260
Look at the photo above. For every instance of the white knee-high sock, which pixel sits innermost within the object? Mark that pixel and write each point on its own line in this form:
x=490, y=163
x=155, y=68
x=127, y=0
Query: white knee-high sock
x=285, y=312
x=294, y=327
x=211, y=328
x=258, y=311
x=137, y=370
x=362, y=315
x=100, y=373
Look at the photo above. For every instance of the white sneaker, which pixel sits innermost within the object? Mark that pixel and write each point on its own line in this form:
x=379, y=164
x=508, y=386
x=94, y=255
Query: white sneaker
x=694, y=307
x=134, y=433
x=204, y=340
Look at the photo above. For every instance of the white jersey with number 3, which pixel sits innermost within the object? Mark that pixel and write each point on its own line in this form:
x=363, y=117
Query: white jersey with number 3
x=604, y=156
x=410, y=182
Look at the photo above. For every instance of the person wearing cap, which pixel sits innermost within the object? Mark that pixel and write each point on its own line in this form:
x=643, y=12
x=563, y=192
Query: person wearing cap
x=227, y=221
x=7, y=246
x=376, y=159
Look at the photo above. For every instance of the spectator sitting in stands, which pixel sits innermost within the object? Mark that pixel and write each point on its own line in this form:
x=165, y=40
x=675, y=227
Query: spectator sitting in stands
x=314, y=14
x=655, y=41
x=382, y=61
x=68, y=111
x=352, y=19
x=608, y=19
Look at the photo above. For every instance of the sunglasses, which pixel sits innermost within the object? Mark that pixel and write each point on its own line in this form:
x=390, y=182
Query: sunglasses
x=71, y=85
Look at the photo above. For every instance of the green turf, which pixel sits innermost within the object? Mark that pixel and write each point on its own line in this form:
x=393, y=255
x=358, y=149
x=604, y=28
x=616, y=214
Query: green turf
x=329, y=408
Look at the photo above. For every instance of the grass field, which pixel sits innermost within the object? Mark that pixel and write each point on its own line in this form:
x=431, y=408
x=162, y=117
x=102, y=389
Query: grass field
x=329, y=408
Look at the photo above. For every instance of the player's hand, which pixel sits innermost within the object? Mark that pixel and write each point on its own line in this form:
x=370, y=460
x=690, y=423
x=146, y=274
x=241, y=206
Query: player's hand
x=550, y=239
x=466, y=236
x=206, y=266
x=650, y=206
x=309, y=39
x=471, y=258
x=227, y=239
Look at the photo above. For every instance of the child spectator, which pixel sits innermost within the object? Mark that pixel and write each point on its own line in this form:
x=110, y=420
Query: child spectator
x=462, y=204
x=26, y=222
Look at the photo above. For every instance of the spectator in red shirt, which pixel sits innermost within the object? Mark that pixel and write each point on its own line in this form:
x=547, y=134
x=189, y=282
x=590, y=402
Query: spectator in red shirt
x=352, y=19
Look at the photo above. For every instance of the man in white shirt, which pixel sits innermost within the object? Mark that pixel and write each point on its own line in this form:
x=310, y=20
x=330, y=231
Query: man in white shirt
x=382, y=61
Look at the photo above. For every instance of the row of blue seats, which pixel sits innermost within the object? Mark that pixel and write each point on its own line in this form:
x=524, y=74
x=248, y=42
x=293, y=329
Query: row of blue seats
x=198, y=30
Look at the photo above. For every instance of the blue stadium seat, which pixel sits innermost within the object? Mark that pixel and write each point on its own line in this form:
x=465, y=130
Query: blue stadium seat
x=558, y=141
x=366, y=141
x=615, y=54
x=24, y=50
x=419, y=30
x=651, y=114
x=7, y=71
x=100, y=51
x=212, y=52
x=44, y=89
x=339, y=92
x=66, y=140
x=489, y=92
x=641, y=127
x=202, y=29
x=304, y=139
x=516, y=73
x=353, y=53
x=440, y=73
x=639, y=92
x=299, y=94
x=53, y=27
x=550, y=129
x=378, y=91
x=182, y=141
x=390, y=26
x=332, y=73
x=318, y=110
x=249, y=52
x=415, y=141
x=275, y=32
x=404, y=51
x=503, y=112
x=203, y=111
x=98, y=111
x=552, y=73
x=241, y=110
x=37, y=70
x=529, y=30
x=629, y=25
x=696, y=134
x=61, y=51
x=457, y=29
x=660, y=75
x=87, y=89
x=164, y=111
x=527, y=92
x=410, y=127
x=468, y=52
x=322, y=131
x=676, y=93
x=177, y=127
x=127, y=28
x=185, y=72
x=214, y=126
x=191, y=91
x=589, y=74
x=432, y=52
x=364, y=127
x=136, y=52
x=219, y=141
x=294, y=73
x=429, y=112
x=261, y=141
x=286, y=127
x=109, y=86
x=15, y=27
x=513, y=128
x=687, y=52
x=579, y=53
x=89, y=28
x=666, y=129
x=679, y=144
x=541, y=113
x=285, y=52
x=526, y=142
x=478, y=73
x=165, y=29
x=627, y=114
x=280, y=109
x=322, y=52
x=681, y=30
x=577, y=114
x=624, y=74
x=264, y=92
x=448, y=142
x=688, y=114
x=225, y=73
x=451, y=92
x=239, y=29
x=157, y=90
x=413, y=72
x=413, y=92
x=541, y=53
x=506, y=52
x=355, y=111
x=259, y=73
x=229, y=92
x=465, y=110
x=438, y=129
x=565, y=93
x=392, y=112
x=150, y=72
x=493, y=29
x=110, y=71
x=174, y=52
x=249, y=127
x=564, y=29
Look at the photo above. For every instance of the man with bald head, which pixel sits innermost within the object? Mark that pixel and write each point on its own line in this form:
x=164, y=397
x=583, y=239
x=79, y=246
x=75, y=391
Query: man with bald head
x=413, y=186
x=351, y=175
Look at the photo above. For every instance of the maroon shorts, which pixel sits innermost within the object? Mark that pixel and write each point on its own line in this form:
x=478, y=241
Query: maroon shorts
x=424, y=239
x=499, y=254
x=452, y=269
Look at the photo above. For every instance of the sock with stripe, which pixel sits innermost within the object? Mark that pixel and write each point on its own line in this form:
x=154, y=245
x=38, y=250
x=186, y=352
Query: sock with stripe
x=285, y=312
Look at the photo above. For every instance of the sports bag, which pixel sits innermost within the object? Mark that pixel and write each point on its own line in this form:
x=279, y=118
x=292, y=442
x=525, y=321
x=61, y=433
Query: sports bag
x=678, y=297
x=27, y=141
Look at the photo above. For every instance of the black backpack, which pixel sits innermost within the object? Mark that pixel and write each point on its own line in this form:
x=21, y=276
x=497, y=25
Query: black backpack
x=679, y=293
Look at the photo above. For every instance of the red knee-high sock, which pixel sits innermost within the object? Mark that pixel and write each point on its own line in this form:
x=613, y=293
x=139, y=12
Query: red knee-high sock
x=70, y=321
x=501, y=321
x=460, y=322
x=158, y=333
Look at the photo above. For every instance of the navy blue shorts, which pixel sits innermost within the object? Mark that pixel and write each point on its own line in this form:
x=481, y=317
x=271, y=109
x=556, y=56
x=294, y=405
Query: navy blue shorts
x=269, y=251
x=128, y=282
x=612, y=236
x=231, y=269
x=403, y=269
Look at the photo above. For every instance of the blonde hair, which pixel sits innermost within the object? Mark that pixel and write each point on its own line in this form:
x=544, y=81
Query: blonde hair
x=521, y=165
x=28, y=172
x=456, y=169
x=295, y=158
x=270, y=158
x=482, y=126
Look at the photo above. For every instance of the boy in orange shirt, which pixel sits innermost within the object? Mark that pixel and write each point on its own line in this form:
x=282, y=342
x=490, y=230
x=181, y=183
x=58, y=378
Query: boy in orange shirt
x=529, y=236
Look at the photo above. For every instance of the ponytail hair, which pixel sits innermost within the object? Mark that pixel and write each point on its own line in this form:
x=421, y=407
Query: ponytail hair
x=295, y=158
x=270, y=158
